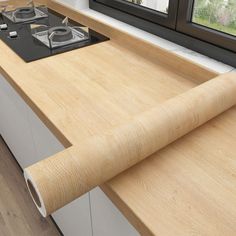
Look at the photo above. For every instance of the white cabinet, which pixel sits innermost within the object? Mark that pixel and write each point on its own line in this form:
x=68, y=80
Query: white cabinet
x=14, y=126
x=74, y=219
x=45, y=142
x=107, y=219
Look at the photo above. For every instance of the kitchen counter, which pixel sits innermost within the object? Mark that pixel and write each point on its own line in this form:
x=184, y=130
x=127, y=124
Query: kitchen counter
x=189, y=187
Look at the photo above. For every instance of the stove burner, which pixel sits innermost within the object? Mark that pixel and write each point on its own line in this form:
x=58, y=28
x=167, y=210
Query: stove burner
x=60, y=33
x=60, y=36
x=25, y=13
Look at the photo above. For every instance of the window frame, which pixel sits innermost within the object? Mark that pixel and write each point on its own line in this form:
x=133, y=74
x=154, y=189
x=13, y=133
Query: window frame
x=165, y=19
x=185, y=25
x=179, y=37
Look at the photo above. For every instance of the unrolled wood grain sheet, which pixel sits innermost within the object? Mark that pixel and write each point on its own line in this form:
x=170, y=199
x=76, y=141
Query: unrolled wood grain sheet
x=60, y=179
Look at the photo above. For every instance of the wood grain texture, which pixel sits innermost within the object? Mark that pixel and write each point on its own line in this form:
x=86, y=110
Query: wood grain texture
x=16, y=3
x=92, y=90
x=190, y=185
x=66, y=176
x=18, y=215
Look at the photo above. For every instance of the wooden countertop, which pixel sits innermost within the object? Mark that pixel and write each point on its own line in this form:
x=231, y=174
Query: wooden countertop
x=189, y=187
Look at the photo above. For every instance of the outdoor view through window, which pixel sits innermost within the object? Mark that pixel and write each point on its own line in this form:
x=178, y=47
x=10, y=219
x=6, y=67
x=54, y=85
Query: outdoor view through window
x=216, y=14
x=158, y=5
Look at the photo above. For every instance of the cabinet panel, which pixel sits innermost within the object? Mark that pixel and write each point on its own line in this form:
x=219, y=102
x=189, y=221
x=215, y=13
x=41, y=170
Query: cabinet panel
x=74, y=219
x=107, y=219
x=46, y=143
x=14, y=126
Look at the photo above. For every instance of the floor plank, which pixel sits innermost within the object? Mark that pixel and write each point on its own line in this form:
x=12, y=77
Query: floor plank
x=18, y=214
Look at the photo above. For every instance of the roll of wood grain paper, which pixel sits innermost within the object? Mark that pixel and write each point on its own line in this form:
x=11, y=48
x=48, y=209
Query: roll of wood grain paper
x=60, y=179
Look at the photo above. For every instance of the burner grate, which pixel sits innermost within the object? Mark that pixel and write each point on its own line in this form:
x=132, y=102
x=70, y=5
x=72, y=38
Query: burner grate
x=77, y=36
x=12, y=16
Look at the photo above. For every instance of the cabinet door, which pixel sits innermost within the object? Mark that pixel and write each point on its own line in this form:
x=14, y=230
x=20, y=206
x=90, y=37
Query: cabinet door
x=14, y=126
x=74, y=219
x=107, y=219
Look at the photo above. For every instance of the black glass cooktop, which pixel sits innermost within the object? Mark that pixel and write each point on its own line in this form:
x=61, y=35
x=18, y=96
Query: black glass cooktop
x=30, y=48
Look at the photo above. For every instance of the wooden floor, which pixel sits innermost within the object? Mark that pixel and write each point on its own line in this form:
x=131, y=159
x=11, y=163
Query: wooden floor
x=18, y=215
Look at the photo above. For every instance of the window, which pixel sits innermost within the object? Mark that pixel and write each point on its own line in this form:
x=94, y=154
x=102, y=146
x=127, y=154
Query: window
x=162, y=12
x=213, y=21
x=206, y=26
x=215, y=14
x=157, y=5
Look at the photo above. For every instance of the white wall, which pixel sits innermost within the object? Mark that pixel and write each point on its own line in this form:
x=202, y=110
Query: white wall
x=159, y=5
x=78, y=4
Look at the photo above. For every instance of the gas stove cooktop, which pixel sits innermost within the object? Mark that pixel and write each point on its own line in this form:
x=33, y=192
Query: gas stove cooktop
x=38, y=32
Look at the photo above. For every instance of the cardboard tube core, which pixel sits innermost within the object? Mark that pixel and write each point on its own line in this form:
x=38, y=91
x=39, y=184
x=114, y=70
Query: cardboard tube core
x=34, y=194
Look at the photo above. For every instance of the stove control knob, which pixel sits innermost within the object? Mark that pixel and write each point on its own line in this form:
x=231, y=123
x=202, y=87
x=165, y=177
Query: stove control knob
x=13, y=34
x=3, y=27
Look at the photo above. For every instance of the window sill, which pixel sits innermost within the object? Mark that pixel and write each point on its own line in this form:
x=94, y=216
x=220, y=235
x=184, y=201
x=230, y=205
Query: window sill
x=203, y=60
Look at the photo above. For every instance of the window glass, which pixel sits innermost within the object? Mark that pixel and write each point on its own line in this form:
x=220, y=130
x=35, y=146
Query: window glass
x=158, y=5
x=216, y=14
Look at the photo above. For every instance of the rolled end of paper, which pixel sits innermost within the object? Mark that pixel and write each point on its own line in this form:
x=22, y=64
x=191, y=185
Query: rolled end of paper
x=57, y=180
x=35, y=193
